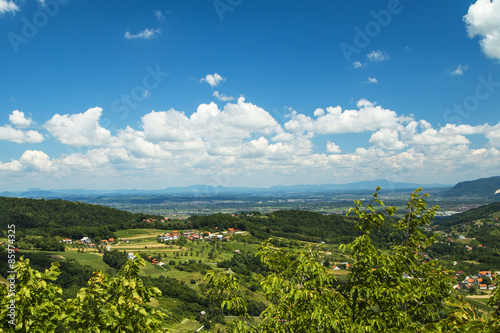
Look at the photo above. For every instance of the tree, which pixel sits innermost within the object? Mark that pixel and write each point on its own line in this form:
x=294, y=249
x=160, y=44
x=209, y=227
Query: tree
x=107, y=304
x=397, y=291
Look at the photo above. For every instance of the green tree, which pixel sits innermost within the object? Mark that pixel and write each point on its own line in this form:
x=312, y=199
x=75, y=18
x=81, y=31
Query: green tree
x=107, y=304
x=391, y=291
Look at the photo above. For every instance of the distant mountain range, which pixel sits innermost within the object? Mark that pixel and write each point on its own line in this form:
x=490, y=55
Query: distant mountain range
x=484, y=187
x=208, y=191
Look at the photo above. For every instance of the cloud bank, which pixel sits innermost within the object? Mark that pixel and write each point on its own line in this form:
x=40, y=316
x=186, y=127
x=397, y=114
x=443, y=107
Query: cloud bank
x=246, y=144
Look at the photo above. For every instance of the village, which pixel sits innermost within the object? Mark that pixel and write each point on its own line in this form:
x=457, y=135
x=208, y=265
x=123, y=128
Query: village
x=174, y=235
x=480, y=281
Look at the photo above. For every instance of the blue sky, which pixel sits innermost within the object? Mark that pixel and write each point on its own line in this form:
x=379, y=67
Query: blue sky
x=151, y=94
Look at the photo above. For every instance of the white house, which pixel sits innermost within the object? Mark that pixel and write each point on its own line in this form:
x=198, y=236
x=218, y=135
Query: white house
x=86, y=240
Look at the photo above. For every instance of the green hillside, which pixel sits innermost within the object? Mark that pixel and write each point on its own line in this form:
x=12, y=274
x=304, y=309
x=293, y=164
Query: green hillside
x=63, y=218
x=484, y=187
x=487, y=211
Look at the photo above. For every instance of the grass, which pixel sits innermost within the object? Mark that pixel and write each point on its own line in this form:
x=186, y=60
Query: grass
x=138, y=233
x=93, y=260
x=185, y=325
x=480, y=304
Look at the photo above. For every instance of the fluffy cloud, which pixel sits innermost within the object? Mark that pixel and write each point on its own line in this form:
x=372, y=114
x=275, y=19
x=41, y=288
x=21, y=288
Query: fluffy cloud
x=222, y=97
x=332, y=148
x=16, y=135
x=482, y=20
x=17, y=118
x=370, y=80
x=168, y=125
x=377, y=56
x=235, y=122
x=11, y=166
x=369, y=117
x=493, y=136
x=8, y=6
x=145, y=34
x=387, y=139
x=139, y=146
x=357, y=65
x=37, y=160
x=213, y=79
x=80, y=129
x=244, y=141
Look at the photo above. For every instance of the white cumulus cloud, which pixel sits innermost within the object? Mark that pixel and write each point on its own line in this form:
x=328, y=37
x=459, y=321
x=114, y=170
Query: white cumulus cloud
x=483, y=20
x=370, y=80
x=16, y=135
x=369, y=117
x=213, y=79
x=332, y=148
x=80, y=129
x=222, y=97
x=37, y=160
x=17, y=118
x=8, y=6
x=387, y=139
x=377, y=56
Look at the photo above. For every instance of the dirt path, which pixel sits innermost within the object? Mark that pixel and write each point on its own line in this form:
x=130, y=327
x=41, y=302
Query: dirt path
x=478, y=296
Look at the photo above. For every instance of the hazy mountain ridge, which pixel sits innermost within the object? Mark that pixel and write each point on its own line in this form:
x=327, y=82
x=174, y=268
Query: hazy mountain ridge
x=481, y=212
x=207, y=190
x=483, y=187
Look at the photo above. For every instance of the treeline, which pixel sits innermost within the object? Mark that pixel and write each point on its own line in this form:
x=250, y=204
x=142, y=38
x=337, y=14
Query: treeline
x=65, y=218
x=467, y=216
x=488, y=258
x=293, y=224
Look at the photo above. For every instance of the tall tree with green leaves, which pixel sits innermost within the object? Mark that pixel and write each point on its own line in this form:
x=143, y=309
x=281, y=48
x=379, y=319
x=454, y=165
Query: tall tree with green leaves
x=394, y=291
x=107, y=304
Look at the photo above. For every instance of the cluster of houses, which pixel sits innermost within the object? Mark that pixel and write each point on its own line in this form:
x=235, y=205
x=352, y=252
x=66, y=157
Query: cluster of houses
x=479, y=281
x=89, y=243
x=341, y=265
x=162, y=220
x=195, y=234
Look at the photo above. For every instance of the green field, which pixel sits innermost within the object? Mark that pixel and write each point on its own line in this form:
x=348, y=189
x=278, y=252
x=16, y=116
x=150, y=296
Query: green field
x=138, y=233
x=480, y=304
x=93, y=260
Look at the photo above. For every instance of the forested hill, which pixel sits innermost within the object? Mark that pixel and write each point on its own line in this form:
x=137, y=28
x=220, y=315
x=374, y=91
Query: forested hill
x=62, y=215
x=484, y=187
x=294, y=224
x=482, y=212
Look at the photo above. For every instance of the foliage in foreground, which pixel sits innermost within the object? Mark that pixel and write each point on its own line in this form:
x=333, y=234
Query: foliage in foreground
x=398, y=291
x=107, y=304
x=392, y=291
